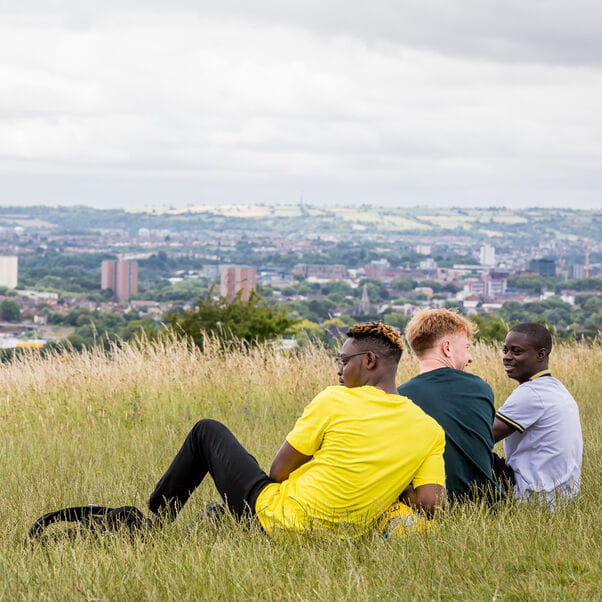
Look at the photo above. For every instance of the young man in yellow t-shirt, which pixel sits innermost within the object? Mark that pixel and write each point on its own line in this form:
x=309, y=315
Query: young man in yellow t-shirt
x=356, y=447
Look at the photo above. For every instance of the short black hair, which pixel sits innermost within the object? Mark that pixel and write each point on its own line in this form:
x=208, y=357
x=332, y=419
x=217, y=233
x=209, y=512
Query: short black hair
x=539, y=335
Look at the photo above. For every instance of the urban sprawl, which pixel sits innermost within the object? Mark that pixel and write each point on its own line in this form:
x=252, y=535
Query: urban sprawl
x=65, y=269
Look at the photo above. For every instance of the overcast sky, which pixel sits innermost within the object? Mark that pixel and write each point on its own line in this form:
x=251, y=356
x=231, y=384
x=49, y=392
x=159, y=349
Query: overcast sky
x=466, y=102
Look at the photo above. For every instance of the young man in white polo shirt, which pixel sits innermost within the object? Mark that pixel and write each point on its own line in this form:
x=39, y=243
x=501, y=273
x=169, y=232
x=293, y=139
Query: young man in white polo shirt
x=539, y=422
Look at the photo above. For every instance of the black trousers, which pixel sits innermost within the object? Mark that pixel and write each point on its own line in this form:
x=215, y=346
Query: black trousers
x=210, y=447
x=503, y=473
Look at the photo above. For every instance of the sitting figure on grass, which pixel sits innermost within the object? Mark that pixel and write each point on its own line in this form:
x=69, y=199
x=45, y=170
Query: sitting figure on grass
x=355, y=448
x=539, y=422
x=460, y=402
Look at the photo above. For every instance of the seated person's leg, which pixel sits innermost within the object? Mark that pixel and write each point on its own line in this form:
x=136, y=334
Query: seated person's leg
x=210, y=447
x=503, y=473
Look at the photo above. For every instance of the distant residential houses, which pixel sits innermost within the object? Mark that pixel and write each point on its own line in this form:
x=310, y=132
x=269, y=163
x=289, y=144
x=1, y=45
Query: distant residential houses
x=481, y=287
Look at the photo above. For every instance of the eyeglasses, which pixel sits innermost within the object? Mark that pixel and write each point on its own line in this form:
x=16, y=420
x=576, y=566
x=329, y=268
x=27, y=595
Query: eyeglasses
x=342, y=360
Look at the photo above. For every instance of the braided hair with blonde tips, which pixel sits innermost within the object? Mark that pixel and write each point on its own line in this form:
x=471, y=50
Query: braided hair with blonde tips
x=385, y=339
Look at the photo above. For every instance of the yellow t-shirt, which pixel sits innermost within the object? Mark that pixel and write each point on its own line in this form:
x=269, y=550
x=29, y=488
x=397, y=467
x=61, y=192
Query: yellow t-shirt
x=367, y=447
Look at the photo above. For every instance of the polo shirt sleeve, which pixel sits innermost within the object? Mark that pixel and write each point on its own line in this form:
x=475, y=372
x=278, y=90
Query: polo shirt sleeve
x=522, y=409
x=308, y=433
x=432, y=470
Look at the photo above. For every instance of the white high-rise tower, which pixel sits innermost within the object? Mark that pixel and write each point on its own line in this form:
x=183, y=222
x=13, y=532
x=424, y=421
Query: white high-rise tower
x=9, y=270
x=487, y=255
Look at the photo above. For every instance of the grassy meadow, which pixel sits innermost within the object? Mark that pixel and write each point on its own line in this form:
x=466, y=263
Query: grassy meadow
x=101, y=429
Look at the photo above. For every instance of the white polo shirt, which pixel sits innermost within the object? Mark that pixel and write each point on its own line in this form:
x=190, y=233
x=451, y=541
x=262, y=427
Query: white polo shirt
x=546, y=448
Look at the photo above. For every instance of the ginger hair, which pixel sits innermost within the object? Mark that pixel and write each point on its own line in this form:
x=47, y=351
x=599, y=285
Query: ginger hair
x=385, y=338
x=429, y=325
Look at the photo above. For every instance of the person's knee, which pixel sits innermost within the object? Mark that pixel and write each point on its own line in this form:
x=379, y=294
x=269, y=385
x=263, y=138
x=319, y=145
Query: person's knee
x=207, y=428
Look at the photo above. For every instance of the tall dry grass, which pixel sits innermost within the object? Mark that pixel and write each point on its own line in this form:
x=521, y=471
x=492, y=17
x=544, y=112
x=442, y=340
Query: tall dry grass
x=102, y=428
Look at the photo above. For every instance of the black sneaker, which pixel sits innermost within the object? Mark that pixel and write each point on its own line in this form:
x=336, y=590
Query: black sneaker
x=215, y=511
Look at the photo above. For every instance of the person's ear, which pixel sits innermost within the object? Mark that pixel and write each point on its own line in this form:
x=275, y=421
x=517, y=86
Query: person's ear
x=446, y=347
x=542, y=354
x=370, y=360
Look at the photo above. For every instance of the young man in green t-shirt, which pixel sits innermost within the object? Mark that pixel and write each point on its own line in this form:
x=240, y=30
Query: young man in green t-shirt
x=356, y=447
x=460, y=402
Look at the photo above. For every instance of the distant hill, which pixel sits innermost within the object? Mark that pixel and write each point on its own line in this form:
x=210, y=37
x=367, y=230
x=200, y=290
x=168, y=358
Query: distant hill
x=498, y=224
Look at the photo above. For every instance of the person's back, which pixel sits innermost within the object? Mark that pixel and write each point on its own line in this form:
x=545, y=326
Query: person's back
x=460, y=402
x=346, y=460
x=371, y=446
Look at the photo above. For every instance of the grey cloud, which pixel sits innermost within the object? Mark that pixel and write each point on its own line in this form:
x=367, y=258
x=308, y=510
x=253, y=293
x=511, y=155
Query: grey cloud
x=555, y=31
x=402, y=102
x=552, y=31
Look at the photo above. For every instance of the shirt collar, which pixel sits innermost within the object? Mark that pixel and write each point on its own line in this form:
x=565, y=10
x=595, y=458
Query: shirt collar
x=542, y=373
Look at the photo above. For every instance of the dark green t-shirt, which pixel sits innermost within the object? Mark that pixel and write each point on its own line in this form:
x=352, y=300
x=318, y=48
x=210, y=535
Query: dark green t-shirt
x=462, y=404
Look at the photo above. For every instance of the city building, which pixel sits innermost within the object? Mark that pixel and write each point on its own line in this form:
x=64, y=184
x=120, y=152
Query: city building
x=236, y=279
x=427, y=264
x=9, y=270
x=465, y=269
x=381, y=269
x=39, y=296
x=487, y=255
x=210, y=271
x=475, y=287
x=321, y=271
x=364, y=307
x=576, y=270
x=543, y=267
x=489, y=286
x=121, y=277
x=496, y=284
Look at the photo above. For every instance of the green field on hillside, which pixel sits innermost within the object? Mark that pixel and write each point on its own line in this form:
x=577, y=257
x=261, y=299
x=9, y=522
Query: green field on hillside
x=519, y=226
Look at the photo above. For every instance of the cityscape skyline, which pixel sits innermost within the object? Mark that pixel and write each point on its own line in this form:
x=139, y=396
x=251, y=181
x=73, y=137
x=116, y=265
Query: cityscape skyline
x=320, y=264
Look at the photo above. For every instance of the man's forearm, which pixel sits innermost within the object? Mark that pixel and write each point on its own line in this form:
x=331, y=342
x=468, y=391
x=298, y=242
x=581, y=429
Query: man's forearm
x=286, y=460
x=501, y=430
x=426, y=498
